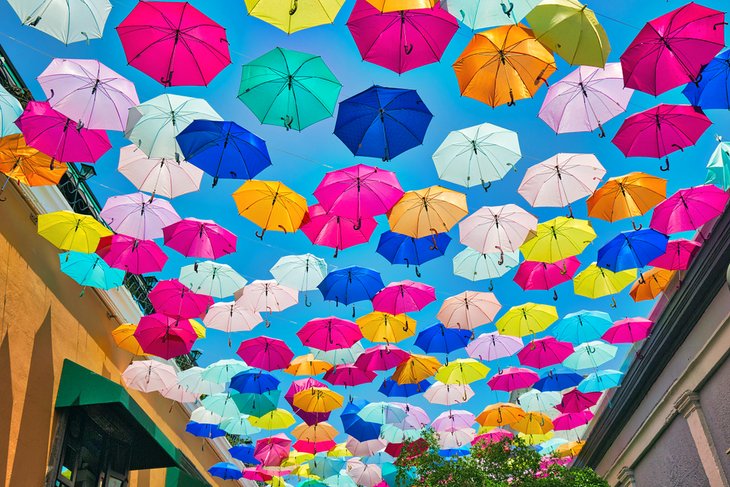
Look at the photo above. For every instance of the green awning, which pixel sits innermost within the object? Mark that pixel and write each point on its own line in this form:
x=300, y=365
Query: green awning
x=179, y=478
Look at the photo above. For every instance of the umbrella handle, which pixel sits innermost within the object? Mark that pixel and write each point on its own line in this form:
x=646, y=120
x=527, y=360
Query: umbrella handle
x=614, y=305
x=641, y=278
x=714, y=27
x=353, y=310
x=491, y=286
x=293, y=8
x=260, y=235
x=306, y=301
x=665, y=166
x=408, y=48
x=555, y=295
x=486, y=186
x=602, y=134
x=358, y=225
x=633, y=224
x=501, y=255
x=405, y=328
x=337, y=251
x=511, y=101
x=570, y=211
x=418, y=273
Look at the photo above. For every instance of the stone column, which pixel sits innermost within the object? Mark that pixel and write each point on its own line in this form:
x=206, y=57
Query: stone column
x=626, y=478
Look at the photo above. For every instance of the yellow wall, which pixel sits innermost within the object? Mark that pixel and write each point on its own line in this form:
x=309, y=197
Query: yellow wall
x=43, y=321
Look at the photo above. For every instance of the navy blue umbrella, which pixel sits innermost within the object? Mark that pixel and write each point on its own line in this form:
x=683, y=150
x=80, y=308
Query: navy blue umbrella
x=404, y=249
x=439, y=339
x=354, y=425
x=255, y=382
x=632, y=250
x=244, y=453
x=391, y=388
x=350, y=285
x=713, y=88
x=557, y=381
x=382, y=122
x=224, y=150
x=205, y=430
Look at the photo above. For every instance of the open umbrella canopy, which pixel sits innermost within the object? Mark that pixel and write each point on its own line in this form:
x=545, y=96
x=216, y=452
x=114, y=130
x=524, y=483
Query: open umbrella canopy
x=416, y=369
x=711, y=90
x=448, y=394
x=628, y=330
x=304, y=365
x=678, y=255
x=71, y=231
x=627, y=196
x=203, y=239
x=513, y=378
x=351, y=284
x=590, y=355
x=149, y=375
x=403, y=297
x=426, y=212
x=165, y=336
x=265, y=353
x=172, y=298
x=500, y=414
x=131, y=254
x=689, y=209
x=469, y=310
x=595, y=282
x=384, y=327
x=329, y=333
x=271, y=205
x=632, y=250
x=439, y=339
x=582, y=326
x=542, y=276
x=544, y=352
x=410, y=251
x=651, y=284
x=28, y=165
x=482, y=15
x=526, y=319
x=90, y=270
x=381, y=357
x=67, y=20
x=158, y=176
x=600, y=381
x=493, y=346
x=10, y=110
x=212, y=279
x=462, y=371
x=476, y=266
x=302, y=14
x=325, y=228
x=558, y=239
x=138, y=216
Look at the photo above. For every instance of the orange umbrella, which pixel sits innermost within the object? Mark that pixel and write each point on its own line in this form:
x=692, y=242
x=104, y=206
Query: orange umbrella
x=569, y=449
x=416, y=369
x=627, y=196
x=124, y=338
x=315, y=433
x=307, y=365
x=500, y=414
x=427, y=211
x=533, y=423
x=27, y=165
x=651, y=284
x=503, y=65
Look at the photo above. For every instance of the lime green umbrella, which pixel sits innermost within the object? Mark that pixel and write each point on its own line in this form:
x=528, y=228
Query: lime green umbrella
x=571, y=30
x=289, y=88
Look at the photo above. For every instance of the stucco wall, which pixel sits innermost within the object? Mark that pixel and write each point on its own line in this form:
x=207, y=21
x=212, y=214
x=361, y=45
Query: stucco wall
x=715, y=401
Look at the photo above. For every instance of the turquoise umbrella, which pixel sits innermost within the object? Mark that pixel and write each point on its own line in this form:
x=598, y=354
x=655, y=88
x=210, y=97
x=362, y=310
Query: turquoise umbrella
x=10, y=110
x=90, y=270
x=718, y=167
x=339, y=356
x=391, y=477
x=582, y=326
x=340, y=480
x=394, y=434
x=221, y=404
x=482, y=14
x=324, y=466
x=475, y=266
x=291, y=89
x=239, y=425
x=256, y=404
x=212, y=279
x=590, y=355
x=600, y=381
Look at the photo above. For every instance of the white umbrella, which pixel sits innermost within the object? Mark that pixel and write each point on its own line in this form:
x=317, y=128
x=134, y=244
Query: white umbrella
x=365, y=448
x=66, y=20
x=229, y=317
x=497, y=228
x=212, y=279
x=455, y=439
x=448, y=394
x=469, y=310
x=192, y=380
x=302, y=272
x=149, y=376
x=163, y=177
x=476, y=266
x=203, y=416
x=365, y=474
x=268, y=296
x=537, y=401
x=223, y=370
x=179, y=393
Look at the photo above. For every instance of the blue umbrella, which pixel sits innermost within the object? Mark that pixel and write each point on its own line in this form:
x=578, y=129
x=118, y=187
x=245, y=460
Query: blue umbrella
x=582, y=326
x=204, y=430
x=600, y=381
x=244, y=453
x=256, y=404
x=350, y=285
x=90, y=270
x=713, y=88
x=226, y=471
x=354, y=425
x=403, y=249
x=391, y=388
x=632, y=250
x=439, y=339
x=557, y=381
x=382, y=122
x=224, y=150
x=454, y=452
x=254, y=382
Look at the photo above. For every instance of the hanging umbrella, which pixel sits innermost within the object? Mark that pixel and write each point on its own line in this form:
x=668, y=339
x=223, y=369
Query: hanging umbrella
x=632, y=250
x=689, y=209
x=401, y=40
x=307, y=365
x=137, y=216
x=271, y=205
x=367, y=447
x=575, y=401
x=475, y=266
x=452, y=420
x=131, y=254
x=302, y=272
x=498, y=229
x=202, y=239
x=272, y=450
x=595, y=282
x=677, y=256
x=672, y=49
x=448, y=394
x=221, y=404
x=316, y=435
x=67, y=20
x=526, y=319
x=149, y=375
x=569, y=421
x=295, y=16
x=348, y=376
x=382, y=122
x=534, y=400
x=627, y=196
x=301, y=385
x=192, y=380
x=542, y=276
x=718, y=166
x=90, y=270
x=500, y=414
x=381, y=413
x=439, y=339
x=163, y=177
x=495, y=435
x=586, y=99
x=71, y=231
x=351, y=284
x=265, y=353
x=582, y=326
x=561, y=180
x=278, y=419
x=10, y=110
x=651, y=284
x=477, y=155
x=391, y=388
x=325, y=228
x=502, y=65
x=590, y=355
x=403, y=297
x=367, y=475
x=533, y=423
x=494, y=346
x=172, y=298
x=482, y=15
x=462, y=371
x=123, y=336
x=558, y=239
x=317, y=400
x=469, y=310
x=600, y=381
x=512, y=378
x=403, y=249
x=711, y=89
x=416, y=369
x=179, y=394
x=427, y=212
x=268, y=296
x=571, y=30
x=225, y=471
x=290, y=89
x=358, y=428
x=339, y=356
x=398, y=5
x=212, y=279
x=244, y=453
x=89, y=93
x=27, y=165
x=629, y=330
x=329, y=333
x=544, y=352
x=164, y=336
x=557, y=381
x=381, y=357
x=384, y=327
x=253, y=382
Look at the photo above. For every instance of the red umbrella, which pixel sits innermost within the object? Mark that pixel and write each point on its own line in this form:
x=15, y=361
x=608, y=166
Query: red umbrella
x=203, y=239
x=301, y=385
x=678, y=255
x=164, y=336
x=175, y=299
x=512, y=378
x=576, y=401
x=273, y=450
x=265, y=353
x=337, y=232
x=174, y=43
x=131, y=254
x=329, y=333
x=381, y=357
x=348, y=375
x=403, y=297
x=544, y=352
x=543, y=276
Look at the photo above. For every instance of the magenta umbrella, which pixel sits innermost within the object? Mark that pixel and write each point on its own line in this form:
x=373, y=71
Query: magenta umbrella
x=568, y=421
x=348, y=375
x=512, y=378
x=544, y=352
x=203, y=239
x=403, y=297
x=58, y=136
x=301, y=385
x=173, y=298
x=265, y=353
x=629, y=330
x=337, y=232
x=164, y=336
x=672, y=49
x=493, y=436
x=493, y=346
x=381, y=357
x=401, y=40
x=138, y=216
x=678, y=255
x=329, y=333
x=174, y=43
x=543, y=276
x=689, y=209
x=661, y=130
x=131, y=254
x=273, y=450
x=576, y=401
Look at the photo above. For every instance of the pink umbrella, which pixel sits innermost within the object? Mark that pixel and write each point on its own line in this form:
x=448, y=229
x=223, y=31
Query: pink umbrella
x=265, y=353
x=301, y=385
x=493, y=436
x=629, y=330
x=493, y=229
x=337, y=232
x=273, y=450
x=348, y=375
x=542, y=276
x=403, y=297
x=203, y=239
x=329, y=333
x=689, y=209
x=512, y=378
x=174, y=43
x=671, y=50
x=58, y=136
x=401, y=40
x=165, y=336
x=493, y=346
x=568, y=421
x=364, y=448
x=453, y=420
x=661, y=130
x=131, y=254
x=173, y=298
x=381, y=357
x=678, y=255
x=576, y=401
x=544, y=352
x=138, y=216
x=469, y=310
x=314, y=446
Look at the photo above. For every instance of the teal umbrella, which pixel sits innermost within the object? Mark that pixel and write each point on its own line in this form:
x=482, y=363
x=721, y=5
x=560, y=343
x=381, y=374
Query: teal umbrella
x=718, y=167
x=340, y=480
x=590, y=355
x=339, y=356
x=324, y=466
x=10, y=110
x=221, y=404
x=256, y=404
x=482, y=14
x=391, y=477
x=289, y=88
x=600, y=381
x=90, y=270
x=239, y=425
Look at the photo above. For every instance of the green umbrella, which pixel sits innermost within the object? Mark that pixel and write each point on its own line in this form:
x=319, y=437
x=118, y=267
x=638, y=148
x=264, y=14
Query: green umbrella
x=718, y=167
x=289, y=88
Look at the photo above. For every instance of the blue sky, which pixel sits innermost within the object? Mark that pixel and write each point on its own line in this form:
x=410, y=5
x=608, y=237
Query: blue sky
x=301, y=159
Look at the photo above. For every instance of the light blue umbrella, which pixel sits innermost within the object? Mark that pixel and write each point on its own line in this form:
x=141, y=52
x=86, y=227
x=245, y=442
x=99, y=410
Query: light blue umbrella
x=590, y=355
x=382, y=413
x=339, y=356
x=10, y=110
x=582, y=326
x=549, y=446
x=390, y=475
x=341, y=480
x=221, y=404
x=212, y=279
x=323, y=466
x=534, y=400
x=239, y=425
x=600, y=381
x=90, y=270
x=393, y=434
x=718, y=167
x=223, y=371
x=301, y=272
x=482, y=14
x=475, y=266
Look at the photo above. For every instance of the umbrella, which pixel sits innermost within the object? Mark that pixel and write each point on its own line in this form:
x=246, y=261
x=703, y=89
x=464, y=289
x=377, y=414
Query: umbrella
x=383, y=327
x=256, y=404
x=66, y=20
x=149, y=375
x=290, y=89
x=225, y=471
x=329, y=333
x=351, y=284
x=627, y=196
x=582, y=326
x=495, y=435
x=131, y=254
x=325, y=228
x=317, y=400
x=493, y=346
x=269, y=296
x=651, y=284
x=358, y=428
x=60, y=137
x=482, y=15
x=569, y=421
x=558, y=239
x=526, y=319
x=595, y=282
x=381, y=413
x=439, y=339
x=427, y=212
x=590, y=355
x=293, y=17
x=278, y=419
x=90, y=270
x=561, y=180
x=544, y=352
x=202, y=239
x=382, y=122
x=672, y=49
x=452, y=420
x=569, y=450
x=366, y=448
x=533, y=423
x=271, y=205
x=398, y=5
x=348, y=376
x=172, y=298
x=689, y=209
x=575, y=401
x=502, y=65
x=165, y=336
x=381, y=357
x=391, y=388
x=174, y=43
x=179, y=394
x=534, y=400
x=367, y=475
x=154, y=125
x=301, y=385
x=163, y=177
x=10, y=110
x=223, y=149
x=600, y=381
x=557, y=381
x=212, y=279
x=89, y=93
x=27, y=165
x=469, y=310
x=718, y=166
x=512, y=378
x=711, y=90
x=677, y=256
x=314, y=438
x=221, y=404
x=403, y=297
x=659, y=131
x=137, y=216
x=475, y=266
x=265, y=353
x=403, y=249
x=629, y=330
x=301, y=272
x=498, y=229
x=500, y=414
x=448, y=394
x=244, y=453
x=253, y=382
x=416, y=369
x=71, y=231
x=542, y=276
x=571, y=30
x=307, y=365
x=477, y=155
x=339, y=356
x=462, y=371
x=192, y=380
x=401, y=40
x=123, y=336
x=632, y=250
x=272, y=450
x=586, y=99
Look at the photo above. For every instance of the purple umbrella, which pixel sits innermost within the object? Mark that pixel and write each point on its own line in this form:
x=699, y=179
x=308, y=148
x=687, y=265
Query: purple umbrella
x=131, y=254
x=139, y=216
x=493, y=346
x=203, y=239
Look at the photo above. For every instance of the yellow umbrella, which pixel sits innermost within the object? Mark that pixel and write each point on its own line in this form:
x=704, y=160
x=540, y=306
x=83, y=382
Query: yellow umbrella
x=315, y=433
x=307, y=365
x=500, y=414
x=569, y=449
x=462, y=371
x=317, y=400
x=198, y=327
x=558, y=239
x=270, y=205
x=595, y=282
x=296, y=458
x=386, y=328
x=123, y=336
x=535, y=439
x=527, y=319
x=427, y=211
x=27, y=165
x=294, y=15
x=340, y=450
x=71, y=231
x=277, y=419
x=398, y=5
x=415, y=369
x=303, y=471
x=651, y=284
x=533, y=424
